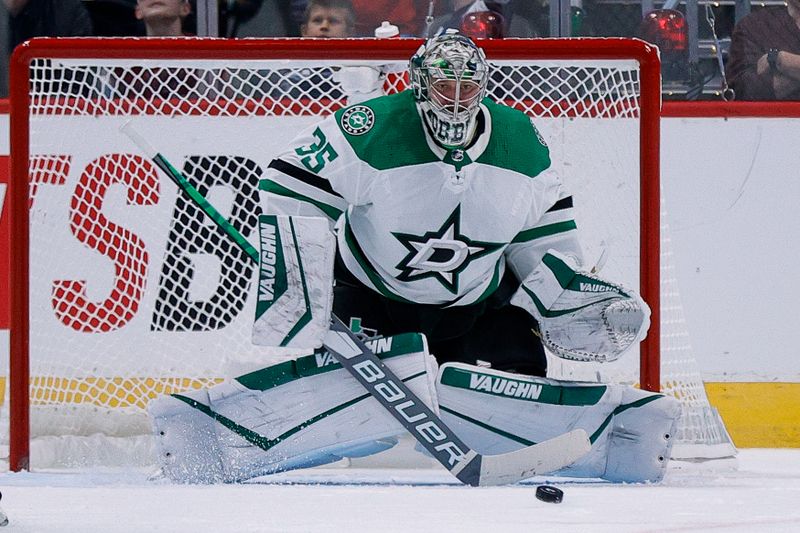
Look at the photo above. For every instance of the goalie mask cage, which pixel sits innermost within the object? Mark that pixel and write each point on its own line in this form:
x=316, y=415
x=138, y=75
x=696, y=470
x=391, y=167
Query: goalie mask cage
x=122, y=290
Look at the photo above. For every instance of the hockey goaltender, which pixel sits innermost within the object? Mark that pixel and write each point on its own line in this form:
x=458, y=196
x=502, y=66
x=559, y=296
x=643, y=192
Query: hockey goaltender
x=431, y=222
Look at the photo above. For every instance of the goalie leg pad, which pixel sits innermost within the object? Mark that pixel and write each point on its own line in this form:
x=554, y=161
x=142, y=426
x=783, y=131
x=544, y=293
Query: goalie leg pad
x=640, y=443
x=186, y=439
x=295, y=282
x=296, y=414
x=498, y=412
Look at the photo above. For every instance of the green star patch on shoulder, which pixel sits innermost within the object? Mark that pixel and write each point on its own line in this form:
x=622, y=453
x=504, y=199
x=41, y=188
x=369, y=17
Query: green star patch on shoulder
x=357, y=120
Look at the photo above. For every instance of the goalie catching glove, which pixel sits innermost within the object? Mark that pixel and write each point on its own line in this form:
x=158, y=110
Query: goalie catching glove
x=581, y=317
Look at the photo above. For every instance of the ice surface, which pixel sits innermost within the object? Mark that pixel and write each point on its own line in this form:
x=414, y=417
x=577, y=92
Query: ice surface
x=763, y=494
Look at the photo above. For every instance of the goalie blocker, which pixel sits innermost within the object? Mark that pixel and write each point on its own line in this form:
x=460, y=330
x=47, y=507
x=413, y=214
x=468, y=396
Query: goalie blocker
x=295, y=282
x=310, y=411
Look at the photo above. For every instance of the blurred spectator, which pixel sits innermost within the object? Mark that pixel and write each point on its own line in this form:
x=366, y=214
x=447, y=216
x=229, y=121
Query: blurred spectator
x=273, y=19
x=483, y=19
x=408, y=15
x=46, y=18
x=163, y=18
x=536, y=13
x=231, y=15
x=322, y=19
x=114, y=18
x=328, y=18
x=612, y=19
x=764, y=58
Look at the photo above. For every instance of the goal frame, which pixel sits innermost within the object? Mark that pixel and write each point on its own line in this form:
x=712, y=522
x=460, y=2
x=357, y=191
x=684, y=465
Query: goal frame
x=298, y=49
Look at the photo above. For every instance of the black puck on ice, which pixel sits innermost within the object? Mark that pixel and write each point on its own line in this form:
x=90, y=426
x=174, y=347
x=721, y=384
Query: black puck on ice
x=549, y=494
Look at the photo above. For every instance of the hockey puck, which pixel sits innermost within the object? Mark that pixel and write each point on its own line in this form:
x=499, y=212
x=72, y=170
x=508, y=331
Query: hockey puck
x=549, y=494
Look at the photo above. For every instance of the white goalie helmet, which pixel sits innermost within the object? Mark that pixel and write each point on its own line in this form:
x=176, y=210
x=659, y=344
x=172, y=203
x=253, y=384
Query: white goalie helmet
x=449, y=76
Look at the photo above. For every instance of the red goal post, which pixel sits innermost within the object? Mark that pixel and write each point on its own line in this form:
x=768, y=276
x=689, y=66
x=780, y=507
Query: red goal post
x=39, y=97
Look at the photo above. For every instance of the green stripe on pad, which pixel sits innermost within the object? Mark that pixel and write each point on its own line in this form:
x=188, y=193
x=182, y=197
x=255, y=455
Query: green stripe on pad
x=321, y=361
x=522, y=389
x=547, y=313
x=254, y=438
x=263, y=442
x=306, y=318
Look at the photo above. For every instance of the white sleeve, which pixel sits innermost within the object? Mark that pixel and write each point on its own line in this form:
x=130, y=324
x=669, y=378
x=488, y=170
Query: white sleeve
x=550, y=225
x=317, y=175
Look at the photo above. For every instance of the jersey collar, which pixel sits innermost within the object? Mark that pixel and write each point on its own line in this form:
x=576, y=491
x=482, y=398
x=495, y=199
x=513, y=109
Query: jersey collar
x=472, y=153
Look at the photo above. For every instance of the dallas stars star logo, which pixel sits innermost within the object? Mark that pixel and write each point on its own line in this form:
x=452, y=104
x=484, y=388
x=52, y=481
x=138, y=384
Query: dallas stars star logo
x=358, y=120
x=441, y=254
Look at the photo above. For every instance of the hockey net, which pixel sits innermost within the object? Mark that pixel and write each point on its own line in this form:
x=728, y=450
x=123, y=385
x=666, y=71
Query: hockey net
x=123, y=290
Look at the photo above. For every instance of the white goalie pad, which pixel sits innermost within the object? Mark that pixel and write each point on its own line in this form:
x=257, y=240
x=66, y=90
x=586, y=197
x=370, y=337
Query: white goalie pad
x=581, y=316
x=297, y=414
x=295, y=281
x=498, y=412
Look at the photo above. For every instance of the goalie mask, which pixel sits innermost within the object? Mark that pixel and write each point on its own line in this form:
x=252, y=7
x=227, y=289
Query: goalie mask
x=449, y=75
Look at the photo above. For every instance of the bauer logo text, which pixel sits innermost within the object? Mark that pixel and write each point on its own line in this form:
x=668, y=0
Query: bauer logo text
x=408, y=409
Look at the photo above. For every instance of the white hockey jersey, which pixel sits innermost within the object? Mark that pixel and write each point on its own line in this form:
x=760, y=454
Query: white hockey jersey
x=420, y=223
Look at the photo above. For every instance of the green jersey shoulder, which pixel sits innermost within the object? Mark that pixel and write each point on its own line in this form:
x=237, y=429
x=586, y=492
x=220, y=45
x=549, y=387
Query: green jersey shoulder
x=388, y=132
x=515, y=143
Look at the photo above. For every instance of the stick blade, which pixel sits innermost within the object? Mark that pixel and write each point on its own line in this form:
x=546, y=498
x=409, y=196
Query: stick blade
x=548, y=456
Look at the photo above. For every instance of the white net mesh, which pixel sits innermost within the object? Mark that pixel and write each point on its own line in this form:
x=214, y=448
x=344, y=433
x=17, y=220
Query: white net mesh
x=135, y=293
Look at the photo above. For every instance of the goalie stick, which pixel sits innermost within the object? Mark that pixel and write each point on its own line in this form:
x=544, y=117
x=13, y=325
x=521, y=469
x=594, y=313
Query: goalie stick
x=422, y=422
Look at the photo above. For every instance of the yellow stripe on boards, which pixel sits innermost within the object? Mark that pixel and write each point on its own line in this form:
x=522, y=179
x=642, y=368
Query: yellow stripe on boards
x=759, y=415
